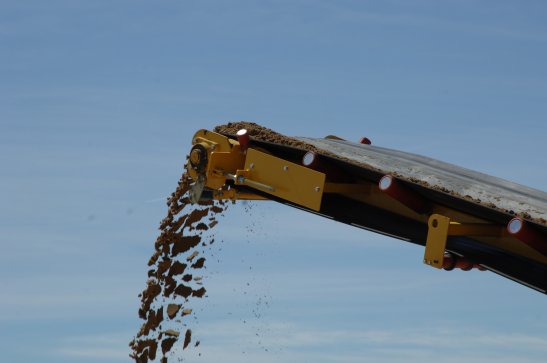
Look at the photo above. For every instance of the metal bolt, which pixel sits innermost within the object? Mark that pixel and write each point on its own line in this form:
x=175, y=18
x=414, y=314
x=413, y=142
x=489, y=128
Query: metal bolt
x=195, y=156
x=317, y=189
x=285, y=168
x=251, y=166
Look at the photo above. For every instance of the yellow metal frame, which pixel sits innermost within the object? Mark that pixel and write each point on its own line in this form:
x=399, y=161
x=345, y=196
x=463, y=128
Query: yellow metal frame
x=257, y=170
x=441, y=227
x=282, y=179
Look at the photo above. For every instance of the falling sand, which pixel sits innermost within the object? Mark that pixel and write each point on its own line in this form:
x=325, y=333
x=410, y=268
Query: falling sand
x=171, y=281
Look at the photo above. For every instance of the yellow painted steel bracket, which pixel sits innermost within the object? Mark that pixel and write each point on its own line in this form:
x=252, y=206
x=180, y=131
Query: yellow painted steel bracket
x=440, y=227
x=219, y=164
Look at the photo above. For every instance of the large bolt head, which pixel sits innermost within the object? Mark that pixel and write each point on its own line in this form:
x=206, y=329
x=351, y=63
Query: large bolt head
x=195, y=156
x=198, y=157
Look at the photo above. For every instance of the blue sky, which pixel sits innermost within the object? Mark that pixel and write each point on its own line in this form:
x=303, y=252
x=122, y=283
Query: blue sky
x=98, y=103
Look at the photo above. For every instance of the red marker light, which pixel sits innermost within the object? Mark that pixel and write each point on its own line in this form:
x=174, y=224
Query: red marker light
x=310, y=159
x=243, y=138
x=365, y=141
x=389, y=185
x=521, y=230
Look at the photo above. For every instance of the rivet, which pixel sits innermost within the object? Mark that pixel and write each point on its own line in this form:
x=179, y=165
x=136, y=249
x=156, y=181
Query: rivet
x=285, y=168
x=317, y=189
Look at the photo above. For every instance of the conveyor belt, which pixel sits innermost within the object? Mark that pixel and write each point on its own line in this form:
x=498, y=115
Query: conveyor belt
x=476, y=194
x=480, y=188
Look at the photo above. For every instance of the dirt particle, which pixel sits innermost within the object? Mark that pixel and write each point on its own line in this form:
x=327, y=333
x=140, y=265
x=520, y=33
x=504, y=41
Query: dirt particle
x=200, y=262
x=167, y=344
x=183, y=290
x=186, y=312
x=170, y=284
x=192, y=256
x=172, y=310
x=199, y=293
x=184, y=243
x=195, y=216
x=177, y=268
x=171, y=333
x=202, y=227
x=187, y=338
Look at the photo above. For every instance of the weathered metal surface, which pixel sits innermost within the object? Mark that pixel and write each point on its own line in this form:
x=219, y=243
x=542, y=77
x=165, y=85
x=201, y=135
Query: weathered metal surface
x=489, y=191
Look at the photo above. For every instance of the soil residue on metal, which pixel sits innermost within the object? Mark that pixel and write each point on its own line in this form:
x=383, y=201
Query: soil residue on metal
x=264, y=134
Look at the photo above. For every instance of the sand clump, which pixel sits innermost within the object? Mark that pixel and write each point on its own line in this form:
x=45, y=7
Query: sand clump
x=264, y=134
x=171, y=283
